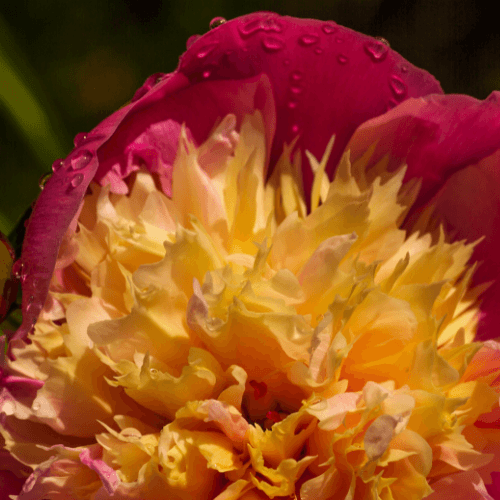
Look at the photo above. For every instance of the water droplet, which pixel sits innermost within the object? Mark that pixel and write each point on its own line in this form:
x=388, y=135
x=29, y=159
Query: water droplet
x=376, y=50
x=296, y=76
x=267, y=25
x=57, y=165
x=191, y=40
x=18, y=269
x=76, y=180
x=206, y=74
x=404, y=68
x=272, y=44
x=35, y=406
x=307, y=40
x=342, y=59
x=158, y=80
x=286, y=62
x=83, y=138
x=318, y=51
x=215, y=22
x=383, y=40
x=397, y=86
x=207, y=49
x=296, y=89
x=328, y=29
x=79, y=138
x=153, y=373
x=295, y=129
x=44, y=179
x=338, y=39
x=81, y=160
x=292, y=104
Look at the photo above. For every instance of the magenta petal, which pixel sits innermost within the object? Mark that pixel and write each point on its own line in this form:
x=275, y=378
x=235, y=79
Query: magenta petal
x=453, y=144
x=324, y=79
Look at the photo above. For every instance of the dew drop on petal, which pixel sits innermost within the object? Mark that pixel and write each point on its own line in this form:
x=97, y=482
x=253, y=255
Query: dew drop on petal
x=292, y=104
x=272, y=44
x=383, y=40
x=215, y=22
x=191, y=40
x=76, y=180
x=81, y=160
x=342, y=59
x=18, y=269
x=338, y=39
x=206, y=74
x=35, y=406
x=329, y=29
x=44, y=179
x=207, y=49
x=79, y=138
x=307, y=40
x=295, y=129
x=296, y=76
x=404, y=68
x=153, y=373
x=57, y=165
x=296, y=89
x=269, y=24
x=318, y=51
x=376, y=50
x=398, y=86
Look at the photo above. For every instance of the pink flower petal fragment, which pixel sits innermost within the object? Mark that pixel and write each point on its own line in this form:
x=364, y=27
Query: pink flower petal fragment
x=466, y=484
x=108, y=476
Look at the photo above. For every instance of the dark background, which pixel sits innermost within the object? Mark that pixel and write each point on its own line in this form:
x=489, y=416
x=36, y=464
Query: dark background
x=64, y=66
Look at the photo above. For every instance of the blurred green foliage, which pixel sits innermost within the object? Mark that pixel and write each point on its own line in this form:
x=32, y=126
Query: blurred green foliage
x=64, y=66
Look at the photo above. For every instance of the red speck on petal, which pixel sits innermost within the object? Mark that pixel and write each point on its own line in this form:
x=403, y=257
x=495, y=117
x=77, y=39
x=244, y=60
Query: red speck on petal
x=274, y=416
x=259, y=388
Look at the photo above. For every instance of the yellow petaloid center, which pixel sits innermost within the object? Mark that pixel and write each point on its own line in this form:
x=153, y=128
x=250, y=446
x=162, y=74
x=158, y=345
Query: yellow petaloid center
x=282, y=353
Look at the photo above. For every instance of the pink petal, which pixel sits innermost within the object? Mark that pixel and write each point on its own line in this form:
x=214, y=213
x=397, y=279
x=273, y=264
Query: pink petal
x=453, y=144
x=316, y=94
x=466, y=484
x=91, y=458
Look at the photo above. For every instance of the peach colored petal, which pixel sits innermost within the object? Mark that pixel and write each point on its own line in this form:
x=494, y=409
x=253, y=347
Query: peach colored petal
x=332, y=411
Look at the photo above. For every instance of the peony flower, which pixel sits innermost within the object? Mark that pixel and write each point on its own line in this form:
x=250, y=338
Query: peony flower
x=260, y=279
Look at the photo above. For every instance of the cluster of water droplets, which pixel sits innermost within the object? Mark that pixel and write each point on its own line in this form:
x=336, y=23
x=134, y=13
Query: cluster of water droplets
x=75, y=162
x=19, y=270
